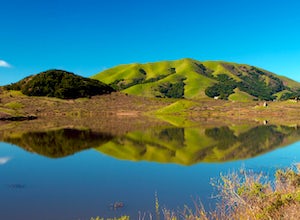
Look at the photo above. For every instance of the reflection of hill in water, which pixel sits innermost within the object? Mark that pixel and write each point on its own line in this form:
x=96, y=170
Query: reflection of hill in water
x=59, y=143
x=192, y=145
x=184, y=146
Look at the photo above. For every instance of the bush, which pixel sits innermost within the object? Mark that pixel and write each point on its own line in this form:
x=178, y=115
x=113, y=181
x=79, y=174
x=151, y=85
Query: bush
x=223, y=89
x=172, y=90
x=253, y=84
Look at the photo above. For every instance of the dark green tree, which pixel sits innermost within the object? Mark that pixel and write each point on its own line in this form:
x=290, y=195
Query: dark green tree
x=60, y=84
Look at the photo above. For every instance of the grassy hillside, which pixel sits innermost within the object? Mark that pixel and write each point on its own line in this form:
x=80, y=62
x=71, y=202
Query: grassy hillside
x=60, y=84
x=191, y=79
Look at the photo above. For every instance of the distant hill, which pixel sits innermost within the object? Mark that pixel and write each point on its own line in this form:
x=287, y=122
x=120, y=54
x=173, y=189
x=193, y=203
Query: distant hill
x=192, y=79
x=60, y=84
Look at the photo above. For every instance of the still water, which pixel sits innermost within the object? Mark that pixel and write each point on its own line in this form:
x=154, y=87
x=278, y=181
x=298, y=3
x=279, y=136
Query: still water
x=73, y=174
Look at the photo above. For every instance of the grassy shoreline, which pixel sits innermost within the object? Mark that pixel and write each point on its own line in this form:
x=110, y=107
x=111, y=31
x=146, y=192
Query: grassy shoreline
x=119, y=105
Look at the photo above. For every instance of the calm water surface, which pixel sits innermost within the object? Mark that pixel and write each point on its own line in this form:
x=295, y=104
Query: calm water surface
x=87, y=183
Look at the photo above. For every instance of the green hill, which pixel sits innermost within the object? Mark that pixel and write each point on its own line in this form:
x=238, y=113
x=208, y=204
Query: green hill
x=191, y=79
x=60, y=84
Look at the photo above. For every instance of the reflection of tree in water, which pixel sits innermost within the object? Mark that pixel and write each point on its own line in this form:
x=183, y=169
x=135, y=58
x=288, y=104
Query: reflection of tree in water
x=173, y=135
x=260, y=138
x=169, y=145
x=160, y=139
x=257, y=140
x=223, y=135
x=195, y=144
x=59, y=143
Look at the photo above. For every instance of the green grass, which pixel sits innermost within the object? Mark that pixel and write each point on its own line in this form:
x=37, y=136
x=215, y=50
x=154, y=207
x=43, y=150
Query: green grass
x=238, y=129
x=14, y=105
x=12, y=93
x=128, y=71
x=218, y=69
x=196, y=85
x=7, y=111
x=196, y=82
x=151, y=89
x=146, y=90
x=179, y=107
x=176, y=120
x=154, y=69
x=279, y=94
x=240, y=96
x=289, y=82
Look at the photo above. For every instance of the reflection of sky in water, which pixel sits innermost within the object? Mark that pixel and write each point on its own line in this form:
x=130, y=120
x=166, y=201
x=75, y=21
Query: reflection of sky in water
x=4, y=160
x=84, y=185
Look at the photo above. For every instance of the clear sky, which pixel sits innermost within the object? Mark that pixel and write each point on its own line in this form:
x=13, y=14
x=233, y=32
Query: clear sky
x=87, y=36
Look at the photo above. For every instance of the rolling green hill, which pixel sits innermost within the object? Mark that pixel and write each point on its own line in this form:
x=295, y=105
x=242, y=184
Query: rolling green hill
x=60, y=84
x=191, y=79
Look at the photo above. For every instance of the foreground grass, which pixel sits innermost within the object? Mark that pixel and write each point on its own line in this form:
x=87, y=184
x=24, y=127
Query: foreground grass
x=254, y=196
x=244, y=195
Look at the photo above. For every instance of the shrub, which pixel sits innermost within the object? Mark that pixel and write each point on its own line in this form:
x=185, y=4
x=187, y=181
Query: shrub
x=172, y=90
x=223, y=89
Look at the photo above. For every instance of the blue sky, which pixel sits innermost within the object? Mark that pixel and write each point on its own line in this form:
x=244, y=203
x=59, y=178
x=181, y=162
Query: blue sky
x=87, y=36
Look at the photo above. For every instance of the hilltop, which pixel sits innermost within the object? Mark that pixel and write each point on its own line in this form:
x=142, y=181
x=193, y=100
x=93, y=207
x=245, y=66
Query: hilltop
x=192, y=79
x=60, y=84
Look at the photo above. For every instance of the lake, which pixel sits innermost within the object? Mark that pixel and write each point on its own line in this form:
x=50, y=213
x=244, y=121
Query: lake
x=72, y=173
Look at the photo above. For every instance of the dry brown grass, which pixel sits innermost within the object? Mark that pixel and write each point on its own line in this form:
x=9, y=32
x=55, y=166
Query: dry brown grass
x=247, y=195
x=244, y=195
x=121, y=105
